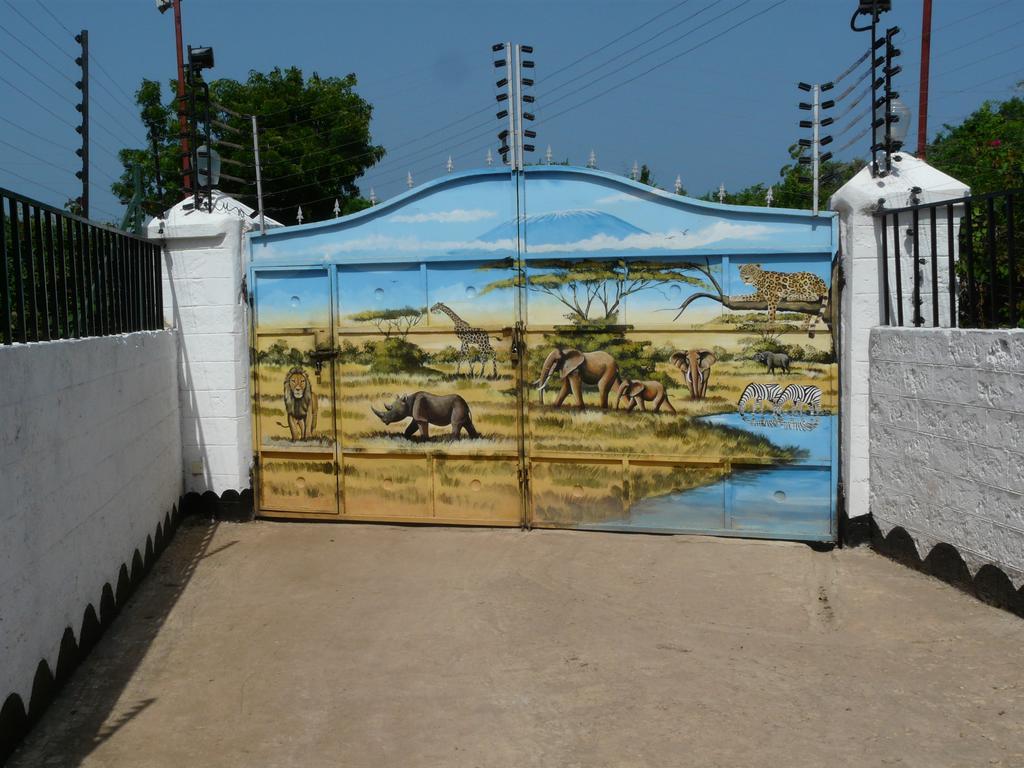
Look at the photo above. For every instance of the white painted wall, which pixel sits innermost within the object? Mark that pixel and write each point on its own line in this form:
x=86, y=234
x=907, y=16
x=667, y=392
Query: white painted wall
x=89, y=464
x=204, y=265
x=861, y=243
x=947, y=441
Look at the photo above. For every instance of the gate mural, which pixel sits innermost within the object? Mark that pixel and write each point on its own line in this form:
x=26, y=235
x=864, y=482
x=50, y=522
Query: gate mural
x=608, y=356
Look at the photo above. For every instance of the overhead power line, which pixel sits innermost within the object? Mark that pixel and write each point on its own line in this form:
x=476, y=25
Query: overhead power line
x=642, y=43
x=668, y=61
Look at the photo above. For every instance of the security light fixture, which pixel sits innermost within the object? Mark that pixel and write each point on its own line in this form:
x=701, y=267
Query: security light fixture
x=207, y=166
x=164, y=5
x=200, y=58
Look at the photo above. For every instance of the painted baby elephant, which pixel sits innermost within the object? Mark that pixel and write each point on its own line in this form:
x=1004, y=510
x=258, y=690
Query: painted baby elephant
x=578, y=368
x=644, y=392
x=695, y=365
x=425, y=409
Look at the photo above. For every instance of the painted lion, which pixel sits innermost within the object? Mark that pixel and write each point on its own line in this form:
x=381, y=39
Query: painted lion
x=300, y=404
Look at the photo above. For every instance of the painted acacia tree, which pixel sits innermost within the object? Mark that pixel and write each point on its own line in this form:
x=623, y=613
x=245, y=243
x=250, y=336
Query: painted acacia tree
x=315, y=142
x=594, y=290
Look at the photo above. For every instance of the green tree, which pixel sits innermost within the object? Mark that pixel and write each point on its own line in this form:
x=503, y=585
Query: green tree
x=315, y=142
x=791, y=191
x=986, y=151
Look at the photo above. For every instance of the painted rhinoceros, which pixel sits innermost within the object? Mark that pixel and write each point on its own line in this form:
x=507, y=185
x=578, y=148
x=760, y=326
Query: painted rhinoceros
x=425, y=409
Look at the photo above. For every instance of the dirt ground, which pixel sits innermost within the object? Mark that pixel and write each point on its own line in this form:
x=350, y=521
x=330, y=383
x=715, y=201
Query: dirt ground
x=288, y=645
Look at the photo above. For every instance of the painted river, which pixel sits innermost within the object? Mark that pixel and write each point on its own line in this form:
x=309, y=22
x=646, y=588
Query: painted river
x=791, y=501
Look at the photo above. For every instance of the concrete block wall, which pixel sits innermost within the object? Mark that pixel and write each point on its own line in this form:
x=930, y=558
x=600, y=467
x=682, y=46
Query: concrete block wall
x=862, y=308
x=203, y=273
x=947, y=441
x=90, y=451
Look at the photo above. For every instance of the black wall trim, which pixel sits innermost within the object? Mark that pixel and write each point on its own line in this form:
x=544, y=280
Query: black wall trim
x=990, y=584
x=15, y=720
x=231, y=506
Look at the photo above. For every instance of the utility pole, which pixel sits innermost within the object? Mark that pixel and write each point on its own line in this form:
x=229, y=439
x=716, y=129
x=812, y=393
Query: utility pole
x=922, y=102
x=186, y=155
x=259, y=175
x=83, y=85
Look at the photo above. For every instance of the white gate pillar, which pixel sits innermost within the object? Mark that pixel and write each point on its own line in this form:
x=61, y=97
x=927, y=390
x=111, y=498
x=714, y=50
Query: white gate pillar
x=204, y=300
x=860, y=235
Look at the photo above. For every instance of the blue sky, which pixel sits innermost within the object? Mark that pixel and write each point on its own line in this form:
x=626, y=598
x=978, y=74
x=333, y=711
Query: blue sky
x=723, y=113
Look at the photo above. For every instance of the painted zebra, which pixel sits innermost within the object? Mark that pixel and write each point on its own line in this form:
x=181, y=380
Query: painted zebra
x=805, y=398
x=755, y=393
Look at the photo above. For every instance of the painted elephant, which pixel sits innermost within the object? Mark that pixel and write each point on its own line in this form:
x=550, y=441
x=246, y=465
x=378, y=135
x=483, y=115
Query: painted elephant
x=425, y=409
x=773, y=360
x=576, y=369
x=643, y=392
x=695, y=365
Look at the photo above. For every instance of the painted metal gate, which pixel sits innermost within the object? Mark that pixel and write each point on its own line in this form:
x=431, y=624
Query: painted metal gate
x=607, y=356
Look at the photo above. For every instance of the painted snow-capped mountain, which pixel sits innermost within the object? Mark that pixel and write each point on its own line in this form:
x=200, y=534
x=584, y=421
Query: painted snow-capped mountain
x=562, y=227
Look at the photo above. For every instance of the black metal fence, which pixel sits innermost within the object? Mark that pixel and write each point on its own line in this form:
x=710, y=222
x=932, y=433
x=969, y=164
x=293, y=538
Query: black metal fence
x=62, y=276
x=938, y=276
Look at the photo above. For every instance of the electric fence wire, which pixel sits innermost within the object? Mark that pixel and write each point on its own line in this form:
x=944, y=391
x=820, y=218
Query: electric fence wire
x=849, y=89
x=616, y=57
x=636, y=60
x=56, y=116
x=58, y=192
x=52, y=164
x=101, y=123
x=92, y=56
x=663, y=63
x=671, y=59
x=846, y=72
x=464, y=118
x=62, y=96
x=979, y=61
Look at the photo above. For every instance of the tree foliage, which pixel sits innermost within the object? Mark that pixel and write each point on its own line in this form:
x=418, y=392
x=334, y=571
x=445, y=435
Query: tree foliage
x=986, y=151
x=315, y=142
x=790, y=191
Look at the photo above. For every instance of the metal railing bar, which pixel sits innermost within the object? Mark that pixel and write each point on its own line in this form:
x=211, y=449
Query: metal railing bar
x=898, y=257
x=916, y=241
x=1011, y=259
x=951, y=251
x=19, y=273
x=935, y=268
x=957, y=200
x=62, y=283
x=158, y=267
x=990, y=246
x=33, y=286
x=76, y=276
x=5, y=282
x=54, y=277
x=885, y=269
x=42, y=301
x=972, y=300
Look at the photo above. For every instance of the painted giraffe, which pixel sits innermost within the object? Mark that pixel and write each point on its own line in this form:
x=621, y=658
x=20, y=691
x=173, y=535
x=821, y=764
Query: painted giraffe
x=469, y=338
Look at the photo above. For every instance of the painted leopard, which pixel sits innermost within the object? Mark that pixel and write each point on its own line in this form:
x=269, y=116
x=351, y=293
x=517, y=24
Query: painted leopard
x=775, y=287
